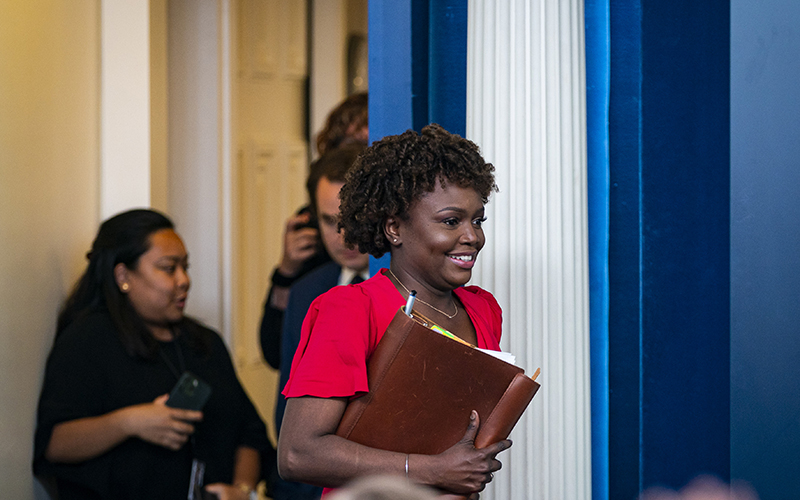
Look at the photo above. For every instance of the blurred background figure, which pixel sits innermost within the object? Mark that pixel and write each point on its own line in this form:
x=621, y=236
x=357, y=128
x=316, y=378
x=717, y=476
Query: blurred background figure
x=105, y=428
x=302, y=248
x=347, y=126
x=383, y=488
x=703, y=488
x=349, y=121
x=348, y=266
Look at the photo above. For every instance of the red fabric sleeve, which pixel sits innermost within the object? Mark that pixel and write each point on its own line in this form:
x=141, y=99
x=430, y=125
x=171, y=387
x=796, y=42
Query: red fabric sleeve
x=332, y=363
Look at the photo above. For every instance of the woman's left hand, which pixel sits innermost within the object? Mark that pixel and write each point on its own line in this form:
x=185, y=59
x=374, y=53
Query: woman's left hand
x=227, y=492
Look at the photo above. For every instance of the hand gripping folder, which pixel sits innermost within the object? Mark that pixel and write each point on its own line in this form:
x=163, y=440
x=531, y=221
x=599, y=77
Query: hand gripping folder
x=422, y=388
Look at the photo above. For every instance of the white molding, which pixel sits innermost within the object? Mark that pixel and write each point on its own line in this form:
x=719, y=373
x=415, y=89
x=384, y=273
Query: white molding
x=124, y=106
x=328, y=72
x=196, y=142
x=526, y=110
x=227, y=156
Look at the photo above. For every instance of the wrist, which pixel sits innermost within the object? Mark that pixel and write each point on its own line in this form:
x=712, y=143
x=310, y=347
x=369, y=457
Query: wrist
x=124, y=421
x=425, y=470
x=289, y=267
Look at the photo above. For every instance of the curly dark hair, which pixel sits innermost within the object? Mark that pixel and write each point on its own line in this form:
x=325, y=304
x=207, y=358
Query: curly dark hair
x=348, y=118
x=394, y=172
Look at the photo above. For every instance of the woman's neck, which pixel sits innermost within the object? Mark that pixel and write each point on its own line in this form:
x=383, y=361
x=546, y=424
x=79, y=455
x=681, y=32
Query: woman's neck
x=162, y=333
x=405, y=283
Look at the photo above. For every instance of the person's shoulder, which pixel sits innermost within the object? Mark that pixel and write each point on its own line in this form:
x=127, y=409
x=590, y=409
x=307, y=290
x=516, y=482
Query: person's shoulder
x=323, y=275
x=196, y=328
x=373, y=289
x=92, y=328
x=346, y=295
x=89, y=337
x=312, y=285
x=478, y=294
x=378, y=284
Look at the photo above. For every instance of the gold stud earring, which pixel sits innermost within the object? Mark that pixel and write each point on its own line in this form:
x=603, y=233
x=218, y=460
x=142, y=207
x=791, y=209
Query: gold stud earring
x=125, y=287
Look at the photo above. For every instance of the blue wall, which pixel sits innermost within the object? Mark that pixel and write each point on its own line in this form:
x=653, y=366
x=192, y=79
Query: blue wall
x=669, y=300
x=765, y=245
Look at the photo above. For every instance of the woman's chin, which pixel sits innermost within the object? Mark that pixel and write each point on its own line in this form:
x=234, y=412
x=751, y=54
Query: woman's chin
x=461, y=279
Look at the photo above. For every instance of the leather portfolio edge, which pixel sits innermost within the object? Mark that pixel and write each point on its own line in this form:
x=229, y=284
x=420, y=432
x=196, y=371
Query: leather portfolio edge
x=505, y=415
x=355, y=407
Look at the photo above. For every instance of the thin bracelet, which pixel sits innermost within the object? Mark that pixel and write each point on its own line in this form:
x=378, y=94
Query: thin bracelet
x=406, y=466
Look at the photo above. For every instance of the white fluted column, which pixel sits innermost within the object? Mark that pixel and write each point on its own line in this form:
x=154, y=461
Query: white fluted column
x=526, y=109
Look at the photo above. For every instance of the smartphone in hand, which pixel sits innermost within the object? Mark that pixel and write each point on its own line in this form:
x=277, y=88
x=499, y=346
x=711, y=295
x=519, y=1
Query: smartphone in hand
x=190, y=393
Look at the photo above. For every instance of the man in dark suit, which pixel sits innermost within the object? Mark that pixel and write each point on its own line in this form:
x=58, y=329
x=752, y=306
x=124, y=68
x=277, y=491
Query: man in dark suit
x=347, y=266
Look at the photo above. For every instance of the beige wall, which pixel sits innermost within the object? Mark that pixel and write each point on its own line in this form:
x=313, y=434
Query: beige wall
x=49, y=198
x=52, y=195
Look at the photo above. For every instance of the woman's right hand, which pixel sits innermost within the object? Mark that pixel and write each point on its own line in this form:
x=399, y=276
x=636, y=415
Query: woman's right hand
x=465, y=469
x=160, y=424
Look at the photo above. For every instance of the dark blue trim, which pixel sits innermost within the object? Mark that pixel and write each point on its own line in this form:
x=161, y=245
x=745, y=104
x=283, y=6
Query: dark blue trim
x=597, y=101
x=417, y=65
x=420, y=46
x=447, y=65
x=669, y=265
x=624, y=250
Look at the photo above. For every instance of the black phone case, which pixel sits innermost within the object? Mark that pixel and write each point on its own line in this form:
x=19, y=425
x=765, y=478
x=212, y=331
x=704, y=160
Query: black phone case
x=190, y=393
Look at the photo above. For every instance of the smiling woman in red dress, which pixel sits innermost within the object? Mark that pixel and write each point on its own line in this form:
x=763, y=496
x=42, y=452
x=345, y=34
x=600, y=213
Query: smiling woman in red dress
x=421, y=198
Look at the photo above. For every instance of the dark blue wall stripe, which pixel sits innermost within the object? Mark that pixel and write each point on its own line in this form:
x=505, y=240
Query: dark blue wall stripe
x=420, y=46
x=624, y=251
x=669, y=250
x=447, y=65
x=597, y=101
x=391, y=100
x=686, y=236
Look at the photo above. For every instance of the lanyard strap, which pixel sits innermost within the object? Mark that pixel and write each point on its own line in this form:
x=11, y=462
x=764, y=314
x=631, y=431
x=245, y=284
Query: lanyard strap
x=169, y=363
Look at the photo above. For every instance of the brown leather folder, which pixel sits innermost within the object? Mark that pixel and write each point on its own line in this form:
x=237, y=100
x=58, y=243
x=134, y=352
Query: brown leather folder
x=422, y=388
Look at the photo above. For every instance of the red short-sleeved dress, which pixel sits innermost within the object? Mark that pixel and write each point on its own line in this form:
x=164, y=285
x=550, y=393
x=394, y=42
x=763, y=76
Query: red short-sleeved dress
x=344, y=325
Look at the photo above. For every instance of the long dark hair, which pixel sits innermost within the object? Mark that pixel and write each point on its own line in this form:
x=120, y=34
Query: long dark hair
x=122, y=239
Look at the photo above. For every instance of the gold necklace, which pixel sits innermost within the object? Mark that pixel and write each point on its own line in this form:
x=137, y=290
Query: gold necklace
x=448, y=316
